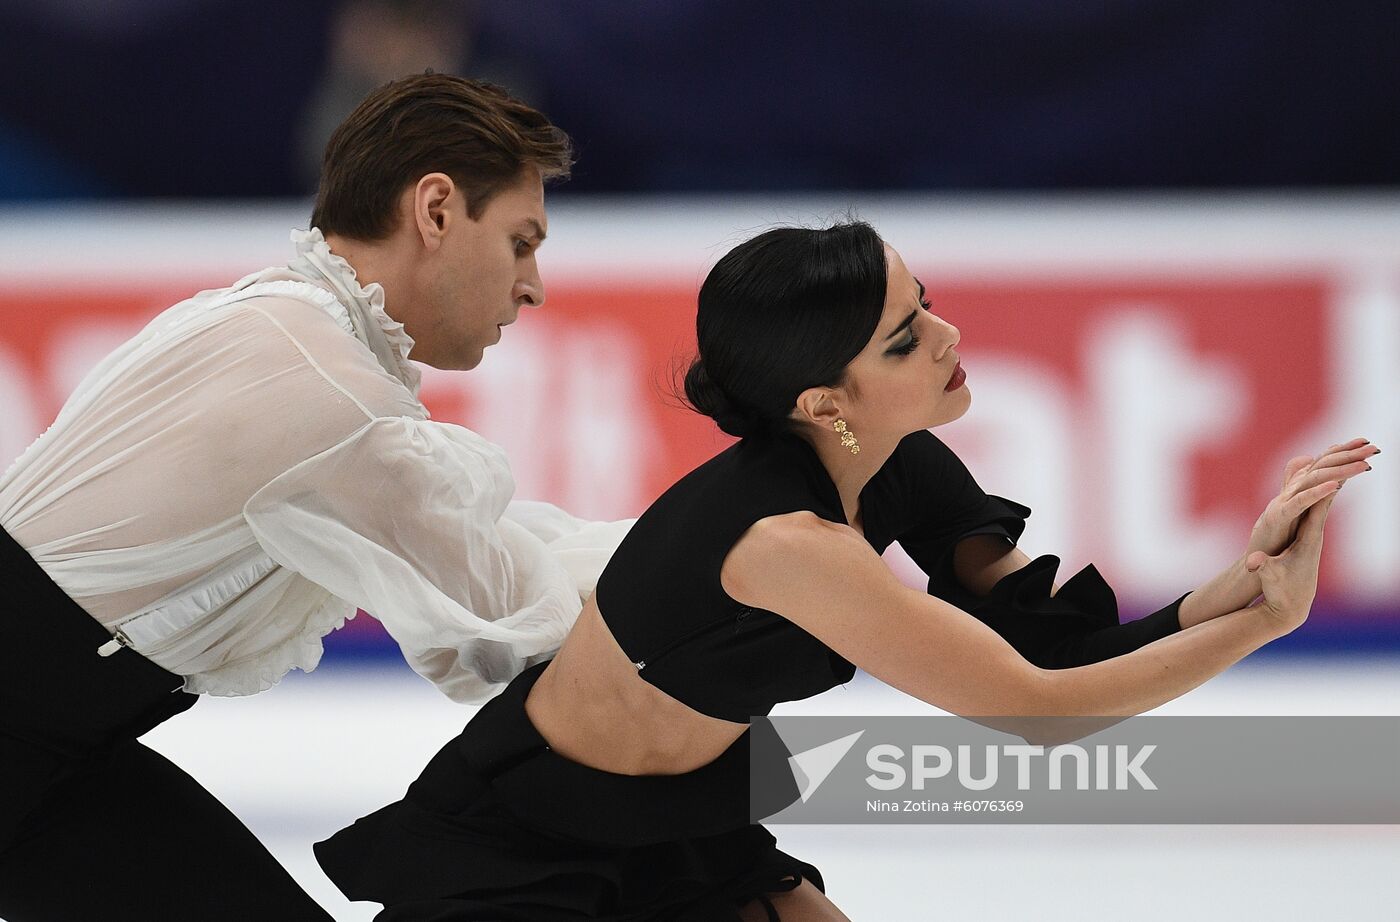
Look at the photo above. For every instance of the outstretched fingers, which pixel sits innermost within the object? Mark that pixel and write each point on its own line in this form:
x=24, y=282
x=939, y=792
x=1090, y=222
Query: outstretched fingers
x=1305, y=500
x=1338, y=463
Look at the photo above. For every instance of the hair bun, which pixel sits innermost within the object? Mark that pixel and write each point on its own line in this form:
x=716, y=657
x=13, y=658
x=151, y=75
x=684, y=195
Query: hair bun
x=706, y=396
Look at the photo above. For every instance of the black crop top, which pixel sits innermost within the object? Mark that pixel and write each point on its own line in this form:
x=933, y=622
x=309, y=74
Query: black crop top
x=661, y=596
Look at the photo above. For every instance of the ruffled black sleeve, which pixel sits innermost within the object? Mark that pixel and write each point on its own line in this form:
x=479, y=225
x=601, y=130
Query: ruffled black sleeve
x=940, y=504
x=1079, y=624
x=1076, y=626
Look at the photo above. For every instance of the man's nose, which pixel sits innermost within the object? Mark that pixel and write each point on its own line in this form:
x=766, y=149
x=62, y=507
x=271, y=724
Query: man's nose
x=529, y=291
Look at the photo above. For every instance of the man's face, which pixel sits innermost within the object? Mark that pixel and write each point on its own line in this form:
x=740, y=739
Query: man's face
x=484, y=273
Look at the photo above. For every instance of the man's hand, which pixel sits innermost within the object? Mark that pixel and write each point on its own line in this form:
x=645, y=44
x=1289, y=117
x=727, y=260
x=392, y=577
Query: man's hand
x=1306, y=481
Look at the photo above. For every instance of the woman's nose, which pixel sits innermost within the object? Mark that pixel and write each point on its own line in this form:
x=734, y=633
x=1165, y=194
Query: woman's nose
x=951, y=337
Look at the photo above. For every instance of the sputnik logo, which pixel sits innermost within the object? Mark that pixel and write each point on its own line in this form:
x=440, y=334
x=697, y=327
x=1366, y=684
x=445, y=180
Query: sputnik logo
x=813, y=766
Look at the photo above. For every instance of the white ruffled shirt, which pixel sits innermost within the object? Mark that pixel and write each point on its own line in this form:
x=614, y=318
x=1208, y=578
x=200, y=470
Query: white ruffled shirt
x=228, y=486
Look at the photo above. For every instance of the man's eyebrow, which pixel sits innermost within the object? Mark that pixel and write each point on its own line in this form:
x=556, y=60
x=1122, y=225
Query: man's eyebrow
x=537, y=228
x=902, y=324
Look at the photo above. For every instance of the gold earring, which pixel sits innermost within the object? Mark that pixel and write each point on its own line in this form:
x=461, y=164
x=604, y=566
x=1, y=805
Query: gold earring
x=848, y=439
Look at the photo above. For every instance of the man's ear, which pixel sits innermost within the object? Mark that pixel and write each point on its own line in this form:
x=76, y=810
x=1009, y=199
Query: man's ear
x=431, y=216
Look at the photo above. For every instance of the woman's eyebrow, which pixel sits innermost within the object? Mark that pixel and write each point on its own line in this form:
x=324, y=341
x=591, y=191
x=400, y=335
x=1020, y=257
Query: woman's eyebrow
x=902, y=324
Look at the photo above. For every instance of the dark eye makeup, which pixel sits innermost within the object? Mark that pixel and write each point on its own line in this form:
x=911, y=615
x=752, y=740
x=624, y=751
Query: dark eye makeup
x=912, y=343
x=907, y=347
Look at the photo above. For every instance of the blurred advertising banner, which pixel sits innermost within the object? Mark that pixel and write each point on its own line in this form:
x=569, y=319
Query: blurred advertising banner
x=1141, y=369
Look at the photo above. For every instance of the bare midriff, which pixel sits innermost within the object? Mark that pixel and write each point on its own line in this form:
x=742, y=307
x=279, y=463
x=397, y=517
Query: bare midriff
x=592, y=707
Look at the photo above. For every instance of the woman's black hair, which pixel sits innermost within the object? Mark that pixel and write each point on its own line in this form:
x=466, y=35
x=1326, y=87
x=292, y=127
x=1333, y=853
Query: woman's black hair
x=782, y=312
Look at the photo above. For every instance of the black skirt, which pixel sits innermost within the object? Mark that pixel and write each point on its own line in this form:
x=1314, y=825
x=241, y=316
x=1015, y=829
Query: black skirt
x=499, y=826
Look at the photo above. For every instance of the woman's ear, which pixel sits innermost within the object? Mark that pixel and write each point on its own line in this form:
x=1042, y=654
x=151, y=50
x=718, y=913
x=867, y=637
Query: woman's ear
x=818, y=406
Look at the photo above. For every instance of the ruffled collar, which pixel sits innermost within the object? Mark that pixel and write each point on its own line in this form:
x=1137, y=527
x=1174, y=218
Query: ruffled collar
x=373, y=326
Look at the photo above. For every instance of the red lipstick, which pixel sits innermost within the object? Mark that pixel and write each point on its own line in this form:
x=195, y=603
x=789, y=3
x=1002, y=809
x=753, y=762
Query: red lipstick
x=958, y=379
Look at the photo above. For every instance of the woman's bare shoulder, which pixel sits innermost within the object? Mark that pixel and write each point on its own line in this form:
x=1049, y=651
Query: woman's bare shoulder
x=780, y=561
x=825, y=578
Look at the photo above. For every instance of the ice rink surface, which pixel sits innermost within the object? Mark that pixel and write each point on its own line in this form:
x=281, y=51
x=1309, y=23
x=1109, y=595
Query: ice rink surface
x=302, y=760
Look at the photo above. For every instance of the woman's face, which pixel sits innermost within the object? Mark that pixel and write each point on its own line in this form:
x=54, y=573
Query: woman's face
x=900, y=382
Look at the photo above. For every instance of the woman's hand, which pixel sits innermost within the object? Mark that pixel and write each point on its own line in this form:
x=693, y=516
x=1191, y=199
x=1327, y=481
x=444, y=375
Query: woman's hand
x=1289, y=580
x=1307, y=481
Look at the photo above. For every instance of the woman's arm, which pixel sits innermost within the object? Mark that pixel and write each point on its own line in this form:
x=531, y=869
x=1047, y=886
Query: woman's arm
x=826, y=579
x=1051, y=641
x=1229, y=590
x=964, y=539
x=979, y=562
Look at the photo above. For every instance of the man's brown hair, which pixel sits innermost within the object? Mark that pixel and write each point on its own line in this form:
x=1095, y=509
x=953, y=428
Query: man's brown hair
x=474, y=132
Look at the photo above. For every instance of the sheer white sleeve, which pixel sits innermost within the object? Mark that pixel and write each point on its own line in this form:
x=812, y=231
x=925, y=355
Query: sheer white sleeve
x=405, y=520
x=581, y=546
x=228, y=487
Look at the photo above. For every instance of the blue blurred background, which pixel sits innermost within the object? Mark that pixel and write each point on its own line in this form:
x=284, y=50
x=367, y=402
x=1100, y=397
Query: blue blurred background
x=219, y=99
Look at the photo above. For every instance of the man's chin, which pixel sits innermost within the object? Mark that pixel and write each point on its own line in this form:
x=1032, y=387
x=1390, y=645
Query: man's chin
x=462, y=361
x=471, y=360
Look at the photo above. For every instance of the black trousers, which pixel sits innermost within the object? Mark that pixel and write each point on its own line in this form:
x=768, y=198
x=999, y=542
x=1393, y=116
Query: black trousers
x=95, y=826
